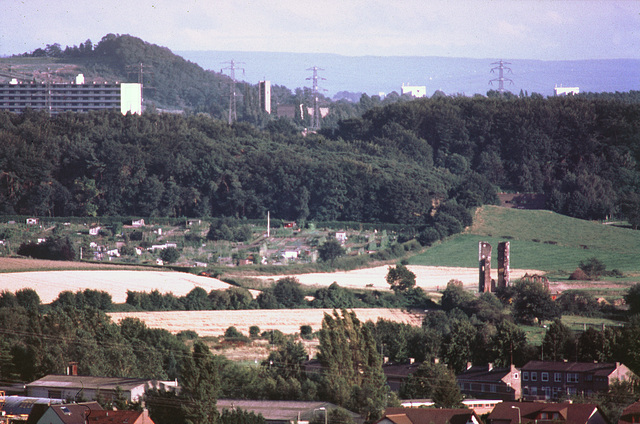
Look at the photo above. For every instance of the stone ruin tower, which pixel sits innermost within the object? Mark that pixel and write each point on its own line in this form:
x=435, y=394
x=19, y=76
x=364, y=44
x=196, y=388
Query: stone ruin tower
x=486, y=284
x=504, y=272
x=484, y=256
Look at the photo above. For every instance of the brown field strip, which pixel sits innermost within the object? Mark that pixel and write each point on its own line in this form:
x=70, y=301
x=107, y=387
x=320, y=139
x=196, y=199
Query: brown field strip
x=214, y=323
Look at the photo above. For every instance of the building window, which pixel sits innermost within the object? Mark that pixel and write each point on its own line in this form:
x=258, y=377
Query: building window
x=55, y=394
x=525, y=375
x=547, y=392
x=534, y=376
x=515, y=375
x=572, y=377
x=544, y=376
x=589, y=377
x=572, y=391
x=557, y=377
x=534, y=391
x=493, y=388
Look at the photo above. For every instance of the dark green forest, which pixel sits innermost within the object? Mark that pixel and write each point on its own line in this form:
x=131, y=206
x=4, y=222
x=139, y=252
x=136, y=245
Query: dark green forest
x=395, y=164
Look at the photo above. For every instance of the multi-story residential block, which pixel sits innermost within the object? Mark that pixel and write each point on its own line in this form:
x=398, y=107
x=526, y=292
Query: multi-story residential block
x=552, y=380
x=489, y=382
x=56, y=98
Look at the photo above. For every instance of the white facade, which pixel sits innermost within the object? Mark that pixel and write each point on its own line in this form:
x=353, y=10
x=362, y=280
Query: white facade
x=131, y=98
x=565, y=91
x=264, y=88
x=414, y=90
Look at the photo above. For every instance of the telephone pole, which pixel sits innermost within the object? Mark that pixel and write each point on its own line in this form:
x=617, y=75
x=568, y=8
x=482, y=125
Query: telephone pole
x=140, y=70
x=316, y=107
x=233, y=116
x=501, y=79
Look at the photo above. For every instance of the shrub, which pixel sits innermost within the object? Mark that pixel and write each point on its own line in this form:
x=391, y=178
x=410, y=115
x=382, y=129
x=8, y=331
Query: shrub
x=578, y=274
x=254, y=331
x=170, y=255
x=306, y=332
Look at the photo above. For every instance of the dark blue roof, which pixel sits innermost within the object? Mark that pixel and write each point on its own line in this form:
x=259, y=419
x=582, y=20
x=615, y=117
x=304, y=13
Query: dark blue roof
x=21, y=405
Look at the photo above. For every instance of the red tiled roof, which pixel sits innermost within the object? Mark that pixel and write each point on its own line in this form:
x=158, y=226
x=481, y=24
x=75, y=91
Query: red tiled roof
x=483, y=373
x=113, y=417
x=430, y=415
x=629, y=413
x=599, y=368
x=571, y=413
x=75, y=413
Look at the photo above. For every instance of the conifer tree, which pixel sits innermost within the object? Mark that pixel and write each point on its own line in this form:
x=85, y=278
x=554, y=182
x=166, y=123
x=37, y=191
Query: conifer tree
x=200, y=386
x=352, y=366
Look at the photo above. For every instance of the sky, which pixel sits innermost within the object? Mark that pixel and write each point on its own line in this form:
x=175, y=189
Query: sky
x=509, y=29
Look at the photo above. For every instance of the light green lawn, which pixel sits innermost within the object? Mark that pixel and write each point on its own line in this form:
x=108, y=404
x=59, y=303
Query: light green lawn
x=568, y=241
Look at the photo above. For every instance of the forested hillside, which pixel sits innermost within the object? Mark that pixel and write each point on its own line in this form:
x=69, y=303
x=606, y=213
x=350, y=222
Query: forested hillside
x=582, y=151
x=167, y=165
x=169, y=80
x=395, y=164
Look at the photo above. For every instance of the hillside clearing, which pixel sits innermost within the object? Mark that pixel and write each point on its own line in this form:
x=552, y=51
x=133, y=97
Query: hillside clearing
x=214, y=323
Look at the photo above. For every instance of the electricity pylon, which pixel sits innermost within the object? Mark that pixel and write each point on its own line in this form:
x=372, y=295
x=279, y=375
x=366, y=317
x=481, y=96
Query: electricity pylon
x=316, y=107
x=501, y=79
x=233, y=116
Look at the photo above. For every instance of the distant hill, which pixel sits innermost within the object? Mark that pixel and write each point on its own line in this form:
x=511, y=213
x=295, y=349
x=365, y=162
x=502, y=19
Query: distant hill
x=376, y=74
x=539, y=240
x=169, y=80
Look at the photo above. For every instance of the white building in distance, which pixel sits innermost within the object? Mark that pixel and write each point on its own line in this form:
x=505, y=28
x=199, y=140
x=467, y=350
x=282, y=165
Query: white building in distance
x=565, y=91
x=414, y=90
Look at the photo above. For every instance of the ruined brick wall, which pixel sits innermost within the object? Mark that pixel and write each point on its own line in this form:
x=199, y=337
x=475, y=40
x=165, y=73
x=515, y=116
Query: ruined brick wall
x=504, y=272
x=484, y=257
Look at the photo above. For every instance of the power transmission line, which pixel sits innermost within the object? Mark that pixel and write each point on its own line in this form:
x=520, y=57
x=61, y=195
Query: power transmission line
x=233, y=116
x=316, y=107
x=501, y=79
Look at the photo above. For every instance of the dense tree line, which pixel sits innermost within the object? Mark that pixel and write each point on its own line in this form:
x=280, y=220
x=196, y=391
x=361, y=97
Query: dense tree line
x=395, y=164
x=161, y=165
x=286, y=293
x=38, y=340
x=581, y=151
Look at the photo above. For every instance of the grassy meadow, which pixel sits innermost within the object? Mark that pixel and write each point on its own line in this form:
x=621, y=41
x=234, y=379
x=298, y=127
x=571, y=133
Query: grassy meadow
x=539, y=240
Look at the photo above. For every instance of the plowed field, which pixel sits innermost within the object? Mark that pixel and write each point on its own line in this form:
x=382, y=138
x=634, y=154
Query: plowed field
x=214, y=323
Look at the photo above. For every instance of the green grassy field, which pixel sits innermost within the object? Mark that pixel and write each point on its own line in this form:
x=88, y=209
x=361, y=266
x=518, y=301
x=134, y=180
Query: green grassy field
x=539, y=240
x=535, y=333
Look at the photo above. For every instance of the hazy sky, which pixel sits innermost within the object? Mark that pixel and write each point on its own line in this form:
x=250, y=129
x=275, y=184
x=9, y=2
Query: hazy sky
x=509, y=29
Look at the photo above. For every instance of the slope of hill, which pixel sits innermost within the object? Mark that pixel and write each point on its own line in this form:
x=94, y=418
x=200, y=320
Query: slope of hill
x=170, y=81
x=539, y=240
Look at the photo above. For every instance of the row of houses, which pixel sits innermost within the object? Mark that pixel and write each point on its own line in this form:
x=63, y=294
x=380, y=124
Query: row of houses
x=304, y=412
x=44, y=404
x=535, y=381
x=541, y=380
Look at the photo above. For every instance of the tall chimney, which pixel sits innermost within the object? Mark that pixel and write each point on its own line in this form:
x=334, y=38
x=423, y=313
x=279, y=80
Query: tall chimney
x=72, y=369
